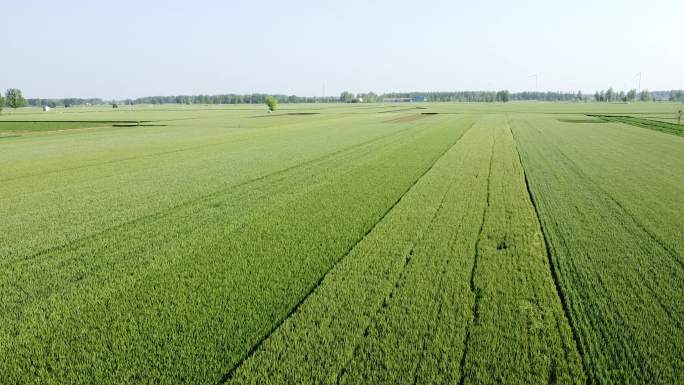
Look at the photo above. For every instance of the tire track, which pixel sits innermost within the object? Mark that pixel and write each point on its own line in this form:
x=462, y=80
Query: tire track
x=552, y=267
x=580, y=173
x=170, y=210
x=477, y=292
x=638, y=226
x=150, y=155
x=229, y=375
x=396, y=285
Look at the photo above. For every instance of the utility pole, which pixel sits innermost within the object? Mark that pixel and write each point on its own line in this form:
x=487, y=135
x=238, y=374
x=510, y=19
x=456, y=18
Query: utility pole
x=639, y=76
x=536, y=82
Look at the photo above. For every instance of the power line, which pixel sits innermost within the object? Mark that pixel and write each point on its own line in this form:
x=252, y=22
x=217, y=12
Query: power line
x=536, y=82
x=639, y=76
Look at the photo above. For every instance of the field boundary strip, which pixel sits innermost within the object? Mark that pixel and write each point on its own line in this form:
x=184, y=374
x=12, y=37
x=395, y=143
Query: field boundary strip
x=572, y=165
x=431, y=330
x=409, y=118
x=402, y=274
x=169, y=210
x=27, y=128
x=113, y=161
x=475, y=309
x=609, y=324
x=75, y=121
x=552, y=265
x=229, y=375
x=655, y=125
x=150, y=155
x=398, y=110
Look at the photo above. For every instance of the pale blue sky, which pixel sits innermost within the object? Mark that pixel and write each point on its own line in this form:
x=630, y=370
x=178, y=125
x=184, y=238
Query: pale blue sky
x=128, y=48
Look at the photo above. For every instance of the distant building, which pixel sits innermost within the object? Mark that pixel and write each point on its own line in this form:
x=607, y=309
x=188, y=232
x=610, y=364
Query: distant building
x=46, y=108
x=396, y=100
x=412, y=99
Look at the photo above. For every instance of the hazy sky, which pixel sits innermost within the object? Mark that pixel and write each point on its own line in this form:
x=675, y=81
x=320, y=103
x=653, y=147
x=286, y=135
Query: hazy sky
x=118, y=49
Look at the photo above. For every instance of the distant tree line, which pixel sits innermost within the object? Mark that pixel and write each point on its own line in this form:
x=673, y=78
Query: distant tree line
x=65, y=102
x=228, y=99
x=486, y=96
x=609, y=95
x=676, y=96
x=349, y=97
x=14, y=99
x=632, y=95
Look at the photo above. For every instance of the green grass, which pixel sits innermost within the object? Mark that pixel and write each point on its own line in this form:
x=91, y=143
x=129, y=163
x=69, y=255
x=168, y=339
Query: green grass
x=361, y=244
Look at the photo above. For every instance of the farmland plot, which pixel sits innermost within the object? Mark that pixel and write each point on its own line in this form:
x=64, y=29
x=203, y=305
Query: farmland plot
x=610, y=200
x=468, y=244
x=88, y=182
x=467, y=296
x=202, y=281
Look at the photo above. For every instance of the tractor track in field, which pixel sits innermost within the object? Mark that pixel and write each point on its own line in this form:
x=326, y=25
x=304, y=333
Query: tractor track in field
x=395, y=287
x=430, y=334
x=150, y=155
x=552, y=267
x=649, y=124
x=639, y=227
x=170, y=210
x=477, y=292
x=113, y=161
x=231, y=373
x=572, y=165
x=161, y=153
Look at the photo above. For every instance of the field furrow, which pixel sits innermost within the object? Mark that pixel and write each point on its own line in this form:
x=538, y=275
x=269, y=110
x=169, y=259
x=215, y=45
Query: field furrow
x=622, y=286
x=406, y=318
x=400, y=335
x=518, y=332
x=229, y=283
x=228, y=377
x=315, y=344
x=431, y=243
x=38, y=209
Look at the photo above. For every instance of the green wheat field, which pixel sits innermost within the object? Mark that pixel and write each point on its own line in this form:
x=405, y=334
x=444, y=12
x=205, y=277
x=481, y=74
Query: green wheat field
x=518, y=243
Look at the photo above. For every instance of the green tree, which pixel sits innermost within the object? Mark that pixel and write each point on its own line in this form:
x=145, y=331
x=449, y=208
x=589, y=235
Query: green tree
x=610, y=94
x=346, y=97
x=622, y=97
x=645, y=96
x=503, y=96
x=2, y=103
x=631, y=95
x=370, y=97
x=14, y=98
x=272, y=103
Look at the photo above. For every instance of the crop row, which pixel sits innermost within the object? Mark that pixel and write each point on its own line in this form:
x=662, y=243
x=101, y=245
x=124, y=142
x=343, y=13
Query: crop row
x=181, y=297
x=607, y=197
x=652, y=124
x=60, y=188
x=452, y=286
